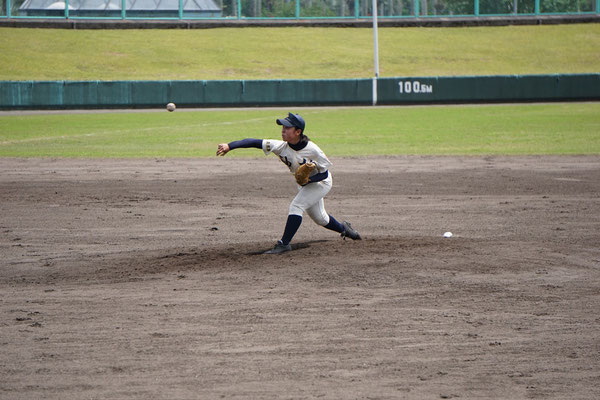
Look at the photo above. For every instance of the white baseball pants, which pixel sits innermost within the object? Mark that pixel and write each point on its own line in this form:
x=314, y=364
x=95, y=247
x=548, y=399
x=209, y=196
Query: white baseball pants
x=310, y=199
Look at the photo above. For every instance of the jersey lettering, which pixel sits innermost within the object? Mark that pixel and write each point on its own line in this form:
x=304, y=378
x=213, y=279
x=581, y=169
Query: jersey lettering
x=285, y=161
x=292, y=158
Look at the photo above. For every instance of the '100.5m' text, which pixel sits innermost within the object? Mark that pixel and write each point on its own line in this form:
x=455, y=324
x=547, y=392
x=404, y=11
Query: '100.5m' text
x=407, y=87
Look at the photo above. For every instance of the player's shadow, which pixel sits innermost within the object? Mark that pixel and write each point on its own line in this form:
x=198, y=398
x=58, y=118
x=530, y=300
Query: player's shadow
x=295, y=246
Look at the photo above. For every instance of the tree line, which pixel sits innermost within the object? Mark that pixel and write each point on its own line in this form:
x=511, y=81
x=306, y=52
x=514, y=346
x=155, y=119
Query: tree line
x=349, y=8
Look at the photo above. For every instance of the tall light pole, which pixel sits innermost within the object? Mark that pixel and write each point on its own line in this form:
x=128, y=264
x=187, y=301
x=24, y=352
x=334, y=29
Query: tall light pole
x=376, y=52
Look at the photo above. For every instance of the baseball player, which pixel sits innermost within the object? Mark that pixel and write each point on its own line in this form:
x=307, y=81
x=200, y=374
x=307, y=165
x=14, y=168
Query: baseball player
x=310, y=167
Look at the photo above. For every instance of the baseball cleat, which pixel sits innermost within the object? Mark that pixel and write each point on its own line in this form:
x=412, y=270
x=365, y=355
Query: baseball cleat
x=349, y=232
x=279, y=248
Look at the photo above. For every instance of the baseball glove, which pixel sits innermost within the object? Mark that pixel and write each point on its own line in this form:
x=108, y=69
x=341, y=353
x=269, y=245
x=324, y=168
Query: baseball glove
x=303, y=173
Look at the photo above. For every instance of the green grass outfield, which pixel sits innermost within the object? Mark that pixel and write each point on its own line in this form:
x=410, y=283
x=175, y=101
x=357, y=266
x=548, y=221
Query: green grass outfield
x=295, y=52
x=524, y=129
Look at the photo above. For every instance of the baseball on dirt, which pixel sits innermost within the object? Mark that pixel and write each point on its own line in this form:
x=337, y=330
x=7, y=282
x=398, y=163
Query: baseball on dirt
x=447, y=234
x=171, y=107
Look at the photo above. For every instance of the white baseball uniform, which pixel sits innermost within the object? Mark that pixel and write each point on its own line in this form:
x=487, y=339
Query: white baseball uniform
x=310, y=196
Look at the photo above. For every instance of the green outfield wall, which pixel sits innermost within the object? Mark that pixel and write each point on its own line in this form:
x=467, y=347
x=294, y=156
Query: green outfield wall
x=256, y=93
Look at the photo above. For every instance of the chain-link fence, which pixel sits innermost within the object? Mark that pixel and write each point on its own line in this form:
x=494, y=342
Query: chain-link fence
x=288, y=9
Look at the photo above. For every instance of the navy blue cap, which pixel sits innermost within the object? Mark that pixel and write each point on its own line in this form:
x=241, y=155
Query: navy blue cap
x=294, y=120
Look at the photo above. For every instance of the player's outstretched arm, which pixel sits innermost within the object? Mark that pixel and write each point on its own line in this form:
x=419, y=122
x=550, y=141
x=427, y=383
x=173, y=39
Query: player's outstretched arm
x=222, y=149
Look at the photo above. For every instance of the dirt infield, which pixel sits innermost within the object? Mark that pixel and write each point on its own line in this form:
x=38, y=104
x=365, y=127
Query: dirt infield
x=142, y=279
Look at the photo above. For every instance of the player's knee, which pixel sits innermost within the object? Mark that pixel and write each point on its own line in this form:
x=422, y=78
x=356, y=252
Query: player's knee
x=321, y=219
x=295, y=209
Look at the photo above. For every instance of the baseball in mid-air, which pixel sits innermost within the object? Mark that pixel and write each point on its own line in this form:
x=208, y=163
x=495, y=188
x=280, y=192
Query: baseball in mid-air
x=171, y=107
x=447, y=234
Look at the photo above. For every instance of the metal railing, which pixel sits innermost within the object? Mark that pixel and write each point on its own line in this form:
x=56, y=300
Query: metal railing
x=297, y=9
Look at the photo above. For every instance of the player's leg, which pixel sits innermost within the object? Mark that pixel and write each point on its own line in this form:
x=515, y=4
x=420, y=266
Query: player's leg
x=307, y=197
x=318, y=214
x=291, y=227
